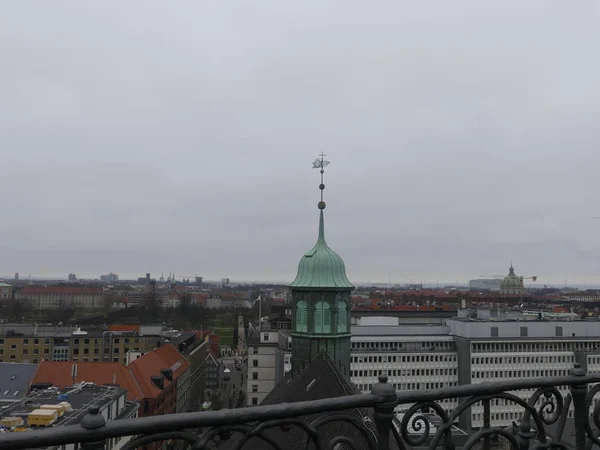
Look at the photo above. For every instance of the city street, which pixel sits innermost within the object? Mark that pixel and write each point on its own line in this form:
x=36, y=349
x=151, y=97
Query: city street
x=231, y=382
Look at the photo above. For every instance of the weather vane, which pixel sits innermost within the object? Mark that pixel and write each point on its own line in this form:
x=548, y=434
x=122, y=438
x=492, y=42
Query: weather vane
x=320, y=163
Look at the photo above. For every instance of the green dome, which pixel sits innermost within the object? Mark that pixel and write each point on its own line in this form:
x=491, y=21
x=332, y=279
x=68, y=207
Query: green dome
x=511, y=282
x=321, y=267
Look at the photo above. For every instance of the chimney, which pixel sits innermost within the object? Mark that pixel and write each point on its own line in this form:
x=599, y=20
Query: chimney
x=168, y=373
x=158, y=381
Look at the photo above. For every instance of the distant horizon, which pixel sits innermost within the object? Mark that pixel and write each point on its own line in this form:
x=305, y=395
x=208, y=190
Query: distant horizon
x=426, y=284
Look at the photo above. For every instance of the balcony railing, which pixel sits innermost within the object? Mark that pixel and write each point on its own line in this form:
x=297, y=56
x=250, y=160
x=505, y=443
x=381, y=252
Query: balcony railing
x=541, y=425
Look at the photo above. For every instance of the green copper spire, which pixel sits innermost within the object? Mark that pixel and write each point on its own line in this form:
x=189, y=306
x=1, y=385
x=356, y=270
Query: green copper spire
x=321, y=267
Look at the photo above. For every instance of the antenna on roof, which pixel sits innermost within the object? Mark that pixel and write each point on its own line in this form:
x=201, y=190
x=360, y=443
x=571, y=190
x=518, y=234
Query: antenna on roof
x=74, y=372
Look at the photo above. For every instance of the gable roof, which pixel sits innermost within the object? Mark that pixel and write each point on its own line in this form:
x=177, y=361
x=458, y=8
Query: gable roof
x=148, y=365
x=58, y=373
x=15, y=379
x=321, y=379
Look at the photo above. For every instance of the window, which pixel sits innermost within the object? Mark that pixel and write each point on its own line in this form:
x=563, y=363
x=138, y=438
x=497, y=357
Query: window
x=13, y=346
x=558, y=331
x=36, y=341
x=302, y=316
x=266, y=336
x=86, y=341
x=255, y=363
x=24, y=351
x=494, y=332
x=117, y=340
x=342, y=316
x=255, y=350
x=25, y=341
x=254, y=401
x=255, y=388
x=322, y=321
x=255, y=375
x=76, y=341
x=523, y=331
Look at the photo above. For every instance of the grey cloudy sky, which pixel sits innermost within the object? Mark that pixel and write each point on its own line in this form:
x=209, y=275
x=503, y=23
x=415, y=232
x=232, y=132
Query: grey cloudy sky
x=155, y=136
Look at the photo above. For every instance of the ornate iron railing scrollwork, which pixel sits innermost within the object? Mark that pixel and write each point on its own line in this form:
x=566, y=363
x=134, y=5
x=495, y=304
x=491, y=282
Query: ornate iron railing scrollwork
x=270, y=424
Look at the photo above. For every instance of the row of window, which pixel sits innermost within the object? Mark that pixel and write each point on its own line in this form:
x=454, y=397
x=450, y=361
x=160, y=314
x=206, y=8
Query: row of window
x=405, y=372
x=523, y=359
x=404, y=358
x=25, y=351
x=545, y=346
x=397, y=346
x=25, y=341
x=366, y=387
x=511, y=374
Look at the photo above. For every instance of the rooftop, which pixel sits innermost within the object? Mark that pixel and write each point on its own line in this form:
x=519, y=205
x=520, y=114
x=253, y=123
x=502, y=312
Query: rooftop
x=321, y=267
x=151, y=363
x=15, y=379
x=81, y=398
x=321, y=379
x=59, y=374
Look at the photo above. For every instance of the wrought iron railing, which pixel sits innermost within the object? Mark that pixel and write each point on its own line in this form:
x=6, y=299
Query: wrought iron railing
x=541, y=425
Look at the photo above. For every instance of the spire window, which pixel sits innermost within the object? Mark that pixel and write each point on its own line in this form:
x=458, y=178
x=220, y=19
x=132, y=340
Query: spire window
x=322, y=317
x=342, y=316
x=302, y=316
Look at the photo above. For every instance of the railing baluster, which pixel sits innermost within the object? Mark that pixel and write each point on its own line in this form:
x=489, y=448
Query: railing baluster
x=487, y=423
x=578, y=392
x=384, y=412
x=93, y=420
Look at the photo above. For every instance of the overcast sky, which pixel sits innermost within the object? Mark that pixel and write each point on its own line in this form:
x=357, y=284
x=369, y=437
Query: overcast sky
x=148, y=136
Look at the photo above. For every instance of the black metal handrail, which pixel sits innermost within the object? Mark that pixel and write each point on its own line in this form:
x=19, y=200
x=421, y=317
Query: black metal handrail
x=252, y=422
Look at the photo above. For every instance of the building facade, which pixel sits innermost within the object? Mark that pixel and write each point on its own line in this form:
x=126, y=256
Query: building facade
x=5, y=291
x=48, y=297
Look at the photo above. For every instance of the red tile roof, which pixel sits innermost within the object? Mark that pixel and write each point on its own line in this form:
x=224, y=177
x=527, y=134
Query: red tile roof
x=59, y=374
x=60, y=290
x=150, y=364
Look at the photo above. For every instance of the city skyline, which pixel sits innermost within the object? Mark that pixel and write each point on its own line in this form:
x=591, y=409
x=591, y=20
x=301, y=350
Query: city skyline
x=184, y=138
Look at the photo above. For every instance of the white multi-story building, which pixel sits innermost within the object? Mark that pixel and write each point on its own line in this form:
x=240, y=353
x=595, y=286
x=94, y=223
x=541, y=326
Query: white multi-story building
x=266, y=360
x=494, y=346
x=415, y=357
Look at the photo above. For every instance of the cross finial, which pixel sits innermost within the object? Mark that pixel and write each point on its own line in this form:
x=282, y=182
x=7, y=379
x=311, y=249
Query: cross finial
x=320, y=163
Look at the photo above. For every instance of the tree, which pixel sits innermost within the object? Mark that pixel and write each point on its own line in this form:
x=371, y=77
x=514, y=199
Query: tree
x=185, y=301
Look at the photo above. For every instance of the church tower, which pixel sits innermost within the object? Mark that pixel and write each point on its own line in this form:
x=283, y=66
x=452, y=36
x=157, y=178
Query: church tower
x=321, y=301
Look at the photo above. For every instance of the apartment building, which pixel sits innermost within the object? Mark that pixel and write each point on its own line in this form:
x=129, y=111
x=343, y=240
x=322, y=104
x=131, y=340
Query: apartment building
x=265, y=357
x=33, y=344
x=48, y=297
x=164, y=377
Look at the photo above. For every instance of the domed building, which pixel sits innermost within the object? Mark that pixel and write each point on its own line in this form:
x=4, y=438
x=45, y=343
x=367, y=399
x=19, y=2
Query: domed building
x=321, y=299
x=512, y=284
